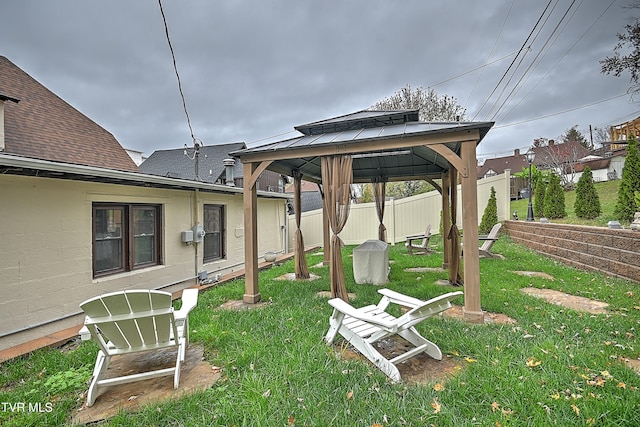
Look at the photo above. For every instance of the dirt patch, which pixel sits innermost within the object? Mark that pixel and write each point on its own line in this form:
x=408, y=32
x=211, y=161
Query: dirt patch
x=195, y=375
x=420, y=369
x=241, y=305
x=570, y=301
x=535, y=274
x=457, y=312
x=327, y=294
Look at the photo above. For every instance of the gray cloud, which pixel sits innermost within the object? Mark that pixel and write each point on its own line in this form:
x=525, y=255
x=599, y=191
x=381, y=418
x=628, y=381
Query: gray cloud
x=253, y=69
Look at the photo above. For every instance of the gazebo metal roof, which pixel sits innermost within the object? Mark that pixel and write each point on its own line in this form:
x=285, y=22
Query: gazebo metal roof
x=365, y=135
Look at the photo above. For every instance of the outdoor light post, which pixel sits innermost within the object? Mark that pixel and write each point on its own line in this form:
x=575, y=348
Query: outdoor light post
x=530, y=155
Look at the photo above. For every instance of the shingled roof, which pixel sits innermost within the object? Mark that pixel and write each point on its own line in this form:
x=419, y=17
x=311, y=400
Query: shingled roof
x=174, y=164
x=41, y=125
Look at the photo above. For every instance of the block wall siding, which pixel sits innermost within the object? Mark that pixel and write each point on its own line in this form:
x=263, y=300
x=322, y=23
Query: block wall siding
x=613, y=252
x=46, y=249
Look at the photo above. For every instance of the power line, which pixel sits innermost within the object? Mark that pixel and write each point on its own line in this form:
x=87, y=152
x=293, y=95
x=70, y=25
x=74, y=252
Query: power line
x=560, y=112
x=559, y=60
x=175, y=67
x=523, y=47
x=534, y=62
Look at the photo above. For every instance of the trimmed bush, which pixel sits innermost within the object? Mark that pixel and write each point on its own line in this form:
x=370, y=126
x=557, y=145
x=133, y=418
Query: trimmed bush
x=538, y=196
x=554, y=199
x=490, y=216
x=587, y=204
x=626, y=205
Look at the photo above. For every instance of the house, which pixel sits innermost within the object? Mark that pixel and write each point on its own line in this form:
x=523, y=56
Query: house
x=80, y=219
x=310, y=196
x=620, y=133
x=208, y=163
x=497, y=165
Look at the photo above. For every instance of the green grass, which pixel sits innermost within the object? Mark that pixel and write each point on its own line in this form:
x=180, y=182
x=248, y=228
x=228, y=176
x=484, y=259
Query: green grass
x=607, y=193
x=279, y=372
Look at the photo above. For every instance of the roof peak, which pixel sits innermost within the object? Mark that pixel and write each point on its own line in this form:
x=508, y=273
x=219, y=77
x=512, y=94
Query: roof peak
x=360, y=119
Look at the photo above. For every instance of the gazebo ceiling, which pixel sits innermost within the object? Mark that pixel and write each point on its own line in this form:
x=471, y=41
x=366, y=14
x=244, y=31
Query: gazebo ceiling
x=393, y=145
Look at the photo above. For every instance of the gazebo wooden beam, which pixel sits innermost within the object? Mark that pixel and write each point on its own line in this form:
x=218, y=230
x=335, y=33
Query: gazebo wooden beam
x=355, y=147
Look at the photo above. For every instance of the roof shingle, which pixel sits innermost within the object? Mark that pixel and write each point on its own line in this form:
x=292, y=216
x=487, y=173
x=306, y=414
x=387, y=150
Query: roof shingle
x=43, y=126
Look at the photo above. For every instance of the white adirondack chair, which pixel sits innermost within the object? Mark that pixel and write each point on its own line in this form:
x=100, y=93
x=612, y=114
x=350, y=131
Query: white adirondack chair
x=488, y=241
x=134, y=321
x=362, y=327
x=423, y=246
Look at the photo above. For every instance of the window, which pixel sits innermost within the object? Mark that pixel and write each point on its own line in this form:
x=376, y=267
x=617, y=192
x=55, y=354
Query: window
x=214, y=238
x=125, y=237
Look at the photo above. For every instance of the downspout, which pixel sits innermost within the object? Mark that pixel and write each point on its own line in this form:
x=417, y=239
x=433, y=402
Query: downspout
x=194, y=221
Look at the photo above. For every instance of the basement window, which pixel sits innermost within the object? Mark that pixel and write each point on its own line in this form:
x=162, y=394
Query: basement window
x=125, y=237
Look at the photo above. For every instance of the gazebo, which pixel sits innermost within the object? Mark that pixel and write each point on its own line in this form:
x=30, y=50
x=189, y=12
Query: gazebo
x=377, y=147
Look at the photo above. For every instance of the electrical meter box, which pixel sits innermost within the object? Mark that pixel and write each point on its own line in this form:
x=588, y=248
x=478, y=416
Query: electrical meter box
x=198, y=233
x=187, y=236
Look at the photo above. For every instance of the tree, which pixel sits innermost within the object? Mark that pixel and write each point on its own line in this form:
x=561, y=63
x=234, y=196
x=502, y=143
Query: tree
x=490, y=215
x=574, y=135
x=554, y=199
x=626, y=205
x=401, y=189
x=619, y=62
x=367, y=193
x=587, y=204
x=561, y=158
x=539, y=193
x=432, y=106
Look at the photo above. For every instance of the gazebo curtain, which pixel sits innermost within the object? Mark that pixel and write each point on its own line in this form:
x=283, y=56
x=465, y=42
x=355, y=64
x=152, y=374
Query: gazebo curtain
x=455, y=278
x=302, y=270
x=337, y=177
x=379, y=193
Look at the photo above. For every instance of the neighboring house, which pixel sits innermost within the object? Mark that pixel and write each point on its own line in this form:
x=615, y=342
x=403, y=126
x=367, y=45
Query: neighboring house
x=209, y=163
x=620, y=133
x=79, y=218
x=497, y=165
x=310, y=197
x=605, y=168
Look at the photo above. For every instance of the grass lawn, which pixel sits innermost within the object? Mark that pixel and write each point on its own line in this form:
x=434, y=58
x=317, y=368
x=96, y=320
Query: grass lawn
x=555, y=366
x=607, y=193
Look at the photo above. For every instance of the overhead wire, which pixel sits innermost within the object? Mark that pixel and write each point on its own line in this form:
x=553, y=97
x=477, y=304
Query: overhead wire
x=175, y=67
x=513, y=74
x=522, y=48
x=561, y=112
x=559, y=59
x=535, y=62
x=495, y=43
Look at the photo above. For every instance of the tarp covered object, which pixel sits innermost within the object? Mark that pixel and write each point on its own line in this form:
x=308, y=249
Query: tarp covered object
x=371, y=262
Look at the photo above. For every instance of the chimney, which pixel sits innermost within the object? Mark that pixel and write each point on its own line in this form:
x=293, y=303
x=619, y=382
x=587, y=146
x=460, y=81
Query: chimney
x=4, y=98
x=516, y=152
x=228, y=167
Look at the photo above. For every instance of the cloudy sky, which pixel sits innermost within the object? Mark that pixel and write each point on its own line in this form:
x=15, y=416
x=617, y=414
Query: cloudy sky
x=251, y=70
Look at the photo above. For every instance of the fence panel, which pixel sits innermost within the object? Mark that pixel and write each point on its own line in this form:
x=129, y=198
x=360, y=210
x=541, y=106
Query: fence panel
x=403, y=217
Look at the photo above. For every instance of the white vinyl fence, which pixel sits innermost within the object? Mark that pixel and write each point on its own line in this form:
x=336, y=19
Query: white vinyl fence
x=403, y=217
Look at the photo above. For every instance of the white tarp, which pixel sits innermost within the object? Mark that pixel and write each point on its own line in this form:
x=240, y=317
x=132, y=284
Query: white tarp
x=371, y=262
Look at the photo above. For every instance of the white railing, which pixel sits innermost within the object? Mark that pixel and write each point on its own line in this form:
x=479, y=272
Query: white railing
x=403, y=217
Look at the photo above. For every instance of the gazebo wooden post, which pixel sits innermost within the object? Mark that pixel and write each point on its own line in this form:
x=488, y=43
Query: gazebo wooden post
x=446, y=219
x=250, y=197
x=472, y=311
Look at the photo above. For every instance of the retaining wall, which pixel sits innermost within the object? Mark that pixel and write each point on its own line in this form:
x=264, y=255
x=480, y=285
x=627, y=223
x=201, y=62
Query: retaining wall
x=614, y=252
